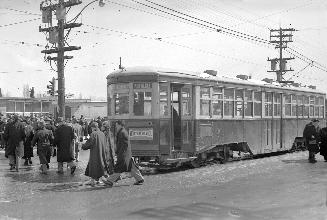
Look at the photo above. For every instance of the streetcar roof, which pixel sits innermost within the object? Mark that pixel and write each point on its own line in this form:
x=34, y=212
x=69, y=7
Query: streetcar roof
x=157, y=72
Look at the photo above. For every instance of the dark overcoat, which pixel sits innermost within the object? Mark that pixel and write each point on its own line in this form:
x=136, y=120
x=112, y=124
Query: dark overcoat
x=14, y=136
x=28, y=149
x=323, y=140
x=64, y=136
x=311, y=136
x=97, y=143
x=123, y=152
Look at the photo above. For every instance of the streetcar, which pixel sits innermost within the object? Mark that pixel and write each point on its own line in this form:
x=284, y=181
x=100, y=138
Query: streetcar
x=174, y=116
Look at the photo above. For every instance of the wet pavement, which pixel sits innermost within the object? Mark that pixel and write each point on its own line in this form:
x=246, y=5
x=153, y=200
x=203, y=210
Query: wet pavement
x=279, y=187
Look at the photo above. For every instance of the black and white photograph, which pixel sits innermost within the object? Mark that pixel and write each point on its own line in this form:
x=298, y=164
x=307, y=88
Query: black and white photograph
x=163, y=109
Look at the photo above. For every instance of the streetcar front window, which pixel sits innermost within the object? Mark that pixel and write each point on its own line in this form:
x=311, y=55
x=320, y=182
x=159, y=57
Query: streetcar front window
x=142, y=103
x=121, y=103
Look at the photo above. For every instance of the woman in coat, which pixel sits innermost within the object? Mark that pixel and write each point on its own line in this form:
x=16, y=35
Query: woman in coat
x=28, y=149
x=97, y=144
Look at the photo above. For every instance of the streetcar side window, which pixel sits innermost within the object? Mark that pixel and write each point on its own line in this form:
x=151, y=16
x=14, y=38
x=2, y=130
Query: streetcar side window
x=186, y=101
x=164, y=110
x=288, y=104
x=228, y=102
x=257, y=103
x=316, y=107
x=312, y=106
x=294, y=105
x=306, y=106
x=248, y=103
x=239, y=103
x=205, y=101
x=277, y=104
x=217, y=102
x=300, y=105
x=321, y=107
x=268, y=104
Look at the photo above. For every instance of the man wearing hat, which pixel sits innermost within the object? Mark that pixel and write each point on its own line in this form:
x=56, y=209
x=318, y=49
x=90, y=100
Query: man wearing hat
x=14, y=135
x=97, y=144
x=43, y=138
x=64, y=137
x=311, y=137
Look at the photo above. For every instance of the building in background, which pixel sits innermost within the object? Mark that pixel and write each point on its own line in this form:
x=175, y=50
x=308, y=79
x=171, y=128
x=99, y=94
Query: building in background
x=48, y=107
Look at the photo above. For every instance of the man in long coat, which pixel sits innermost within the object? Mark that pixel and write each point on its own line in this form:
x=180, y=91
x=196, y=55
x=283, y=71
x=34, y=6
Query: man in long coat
x=124, y=163
x=311, y=136
x=14, y=136
x=97, y=144
x=64, y=137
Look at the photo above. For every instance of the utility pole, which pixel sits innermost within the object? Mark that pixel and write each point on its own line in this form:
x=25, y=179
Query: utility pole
x=57, y=37
x=281, y=37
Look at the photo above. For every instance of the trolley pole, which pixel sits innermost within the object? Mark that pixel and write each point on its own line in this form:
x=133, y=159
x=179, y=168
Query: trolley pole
x=61, y=65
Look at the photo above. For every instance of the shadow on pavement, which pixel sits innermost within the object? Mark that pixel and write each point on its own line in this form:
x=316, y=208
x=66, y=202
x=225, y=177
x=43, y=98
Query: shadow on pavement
x=75, y=187
x=33, y=175
x=195, y=211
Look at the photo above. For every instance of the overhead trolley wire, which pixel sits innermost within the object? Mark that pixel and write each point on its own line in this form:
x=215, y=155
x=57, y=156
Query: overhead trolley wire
x=223, y=29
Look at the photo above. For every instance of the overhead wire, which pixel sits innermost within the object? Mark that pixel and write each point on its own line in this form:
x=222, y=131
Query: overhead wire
x=19, y=22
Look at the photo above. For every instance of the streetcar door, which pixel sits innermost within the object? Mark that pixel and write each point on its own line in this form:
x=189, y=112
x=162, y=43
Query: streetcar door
x=176, y=116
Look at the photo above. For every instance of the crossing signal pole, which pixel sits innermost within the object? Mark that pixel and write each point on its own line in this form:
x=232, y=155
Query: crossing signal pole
x=281, y=37
x=57, y=37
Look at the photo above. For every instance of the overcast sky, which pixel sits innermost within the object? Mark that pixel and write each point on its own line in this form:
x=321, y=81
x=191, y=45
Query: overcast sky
x=127, y=29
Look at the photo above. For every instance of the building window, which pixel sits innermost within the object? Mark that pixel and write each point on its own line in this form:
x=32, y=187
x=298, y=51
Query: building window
x=142, y=103
x=288, y=104
x=277, y=104
x=205, y=101
x=217, y=102
x=268, y=104
x=229, y=102
x=257, y=103
x=248, y=103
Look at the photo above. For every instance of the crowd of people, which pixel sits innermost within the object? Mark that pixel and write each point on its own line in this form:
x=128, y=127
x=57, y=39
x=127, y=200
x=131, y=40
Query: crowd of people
x=110, y=152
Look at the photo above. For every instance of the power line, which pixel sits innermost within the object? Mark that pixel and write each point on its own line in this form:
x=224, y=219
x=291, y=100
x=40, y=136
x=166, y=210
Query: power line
x=43, y=70
x=25, y=12
x=19, y=22
x=226, y=30
x=172, y=43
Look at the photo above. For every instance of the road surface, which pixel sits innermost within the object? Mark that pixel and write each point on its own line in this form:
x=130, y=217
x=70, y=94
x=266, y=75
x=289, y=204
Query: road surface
x=279, y=187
